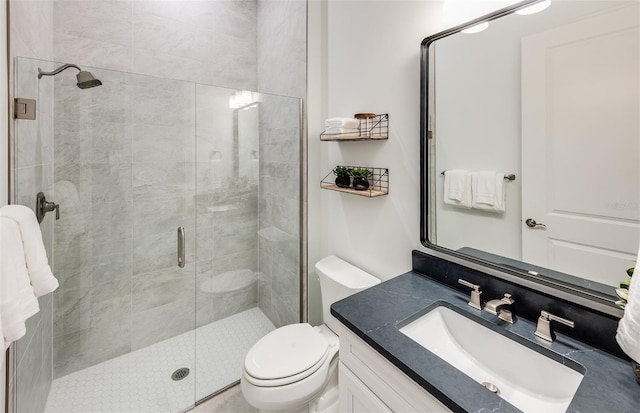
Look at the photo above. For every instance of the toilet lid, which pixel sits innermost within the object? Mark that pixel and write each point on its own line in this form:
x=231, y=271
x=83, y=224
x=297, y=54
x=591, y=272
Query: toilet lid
x=285, y=352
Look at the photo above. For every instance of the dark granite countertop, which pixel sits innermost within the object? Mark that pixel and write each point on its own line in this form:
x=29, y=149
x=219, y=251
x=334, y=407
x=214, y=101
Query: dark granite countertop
x=376, y=314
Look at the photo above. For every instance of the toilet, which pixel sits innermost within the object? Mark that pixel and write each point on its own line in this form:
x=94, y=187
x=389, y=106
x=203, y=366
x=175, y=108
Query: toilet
x=294, y=368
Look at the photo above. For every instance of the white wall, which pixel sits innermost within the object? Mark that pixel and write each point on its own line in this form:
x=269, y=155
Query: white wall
x=372, y=65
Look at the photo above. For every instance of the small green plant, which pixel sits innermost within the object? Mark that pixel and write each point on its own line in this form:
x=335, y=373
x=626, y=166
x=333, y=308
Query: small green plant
x=623, y=291
x=360, y=173
x=341, y=171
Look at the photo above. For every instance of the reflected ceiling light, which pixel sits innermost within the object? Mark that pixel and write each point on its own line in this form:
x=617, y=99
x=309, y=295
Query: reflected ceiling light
x=240, y=98
x=476, y=28
x=535, y=8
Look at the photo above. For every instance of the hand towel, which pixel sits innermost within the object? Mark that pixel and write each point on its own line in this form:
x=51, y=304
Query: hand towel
x=35, y=255
x=628, y=334
x=335, y=131
x=457, y=188
x=17, y=299
x=349, y=123
x=488, y=191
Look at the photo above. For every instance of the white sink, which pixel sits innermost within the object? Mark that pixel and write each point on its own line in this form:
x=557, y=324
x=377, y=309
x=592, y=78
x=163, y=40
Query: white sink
x=525, y=378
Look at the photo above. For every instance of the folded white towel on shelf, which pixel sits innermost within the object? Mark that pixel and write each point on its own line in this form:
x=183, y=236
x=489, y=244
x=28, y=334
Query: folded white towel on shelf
x=457, y=188
x=17, y=299
x=335, y=131
x=349, y=123
x=488, y=191
x=628, y=334
x=35, y=255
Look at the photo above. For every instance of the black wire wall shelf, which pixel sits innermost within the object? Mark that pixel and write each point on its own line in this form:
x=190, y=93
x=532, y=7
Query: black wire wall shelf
x=375, y=128
x=378, y=182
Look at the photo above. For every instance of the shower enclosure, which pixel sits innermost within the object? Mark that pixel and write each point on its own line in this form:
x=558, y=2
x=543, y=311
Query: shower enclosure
x=132, y=164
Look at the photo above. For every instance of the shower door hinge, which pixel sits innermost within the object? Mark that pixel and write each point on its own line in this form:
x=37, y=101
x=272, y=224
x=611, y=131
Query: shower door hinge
x=24, y=108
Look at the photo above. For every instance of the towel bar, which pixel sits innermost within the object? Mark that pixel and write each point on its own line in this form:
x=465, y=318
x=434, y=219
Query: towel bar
x=509, y=177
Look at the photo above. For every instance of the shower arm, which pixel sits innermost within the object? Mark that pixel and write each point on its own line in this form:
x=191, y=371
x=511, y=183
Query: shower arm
x=58, y=70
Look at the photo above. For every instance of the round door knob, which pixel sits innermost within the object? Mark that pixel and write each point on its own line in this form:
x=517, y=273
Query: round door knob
x=531, y=223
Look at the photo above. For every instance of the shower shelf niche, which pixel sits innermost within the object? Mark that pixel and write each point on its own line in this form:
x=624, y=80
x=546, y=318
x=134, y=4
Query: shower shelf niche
x=378, y=183
x=371, y=129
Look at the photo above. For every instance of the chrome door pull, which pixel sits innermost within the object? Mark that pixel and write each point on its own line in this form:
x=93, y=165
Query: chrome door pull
x=181, y=247
x=531, y=223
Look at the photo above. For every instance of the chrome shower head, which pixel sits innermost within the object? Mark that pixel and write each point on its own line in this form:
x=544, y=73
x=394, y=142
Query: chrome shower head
x=85, y=79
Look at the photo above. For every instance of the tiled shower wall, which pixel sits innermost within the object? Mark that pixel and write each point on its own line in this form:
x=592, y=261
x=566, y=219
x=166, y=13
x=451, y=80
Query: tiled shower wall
x=281, y=71
x=31, y=28
x=213, y=42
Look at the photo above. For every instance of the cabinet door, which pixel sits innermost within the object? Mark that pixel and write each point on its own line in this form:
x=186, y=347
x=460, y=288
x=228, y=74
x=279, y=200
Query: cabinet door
x=355, y=397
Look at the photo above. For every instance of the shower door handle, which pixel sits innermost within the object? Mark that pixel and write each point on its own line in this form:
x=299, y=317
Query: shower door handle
x=181, y=247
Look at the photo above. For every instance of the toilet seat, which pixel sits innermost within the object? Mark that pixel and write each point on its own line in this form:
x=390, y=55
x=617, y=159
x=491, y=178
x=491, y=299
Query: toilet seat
x=287, y=355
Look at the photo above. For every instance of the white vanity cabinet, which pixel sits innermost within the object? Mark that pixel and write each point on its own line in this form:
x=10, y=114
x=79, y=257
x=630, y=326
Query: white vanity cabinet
x=370, y=383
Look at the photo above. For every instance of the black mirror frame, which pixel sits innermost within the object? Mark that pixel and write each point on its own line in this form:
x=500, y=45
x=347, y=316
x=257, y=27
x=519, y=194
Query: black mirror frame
x=545, y=285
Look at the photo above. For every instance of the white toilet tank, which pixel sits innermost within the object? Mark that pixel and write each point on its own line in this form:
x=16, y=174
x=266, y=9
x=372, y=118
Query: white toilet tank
x=338, y=280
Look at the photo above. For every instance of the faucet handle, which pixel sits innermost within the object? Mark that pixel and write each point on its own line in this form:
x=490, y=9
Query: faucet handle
x=474, y=299
x=544, y=329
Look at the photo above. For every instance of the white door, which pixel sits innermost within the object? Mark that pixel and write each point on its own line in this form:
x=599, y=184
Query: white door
x=581, y=146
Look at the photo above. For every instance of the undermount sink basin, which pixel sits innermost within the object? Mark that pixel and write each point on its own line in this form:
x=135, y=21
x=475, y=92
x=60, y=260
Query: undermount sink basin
x=520, y=375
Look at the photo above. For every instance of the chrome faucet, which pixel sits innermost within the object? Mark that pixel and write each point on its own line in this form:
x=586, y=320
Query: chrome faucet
x=499, y=307
x=544, y=330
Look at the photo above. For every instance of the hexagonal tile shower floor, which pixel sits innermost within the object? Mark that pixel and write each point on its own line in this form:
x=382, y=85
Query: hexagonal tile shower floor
x=141, y=381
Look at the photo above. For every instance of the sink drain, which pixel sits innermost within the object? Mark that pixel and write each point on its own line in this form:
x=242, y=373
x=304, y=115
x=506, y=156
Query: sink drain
x=180, y=374
x=491, y=387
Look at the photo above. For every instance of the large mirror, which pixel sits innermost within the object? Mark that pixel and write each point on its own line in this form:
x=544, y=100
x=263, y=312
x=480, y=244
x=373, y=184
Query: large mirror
x=552, y=99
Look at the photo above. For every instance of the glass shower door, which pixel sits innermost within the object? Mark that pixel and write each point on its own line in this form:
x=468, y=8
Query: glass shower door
x=122, y=169
x=130, y=162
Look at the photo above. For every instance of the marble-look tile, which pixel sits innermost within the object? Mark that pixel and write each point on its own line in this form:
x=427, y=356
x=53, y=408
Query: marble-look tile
x=30, y=181
x=111, y=183
x=81, y=349
x=158, y=288
x=31, y=24
x=111, y=220
x=111, y=267
x=163, y=143
x=30, y=376
x=153, y=217
x=90, y=52
x=156, y=180
x=285, y=285
x=71, y=261
x=160, y=323
x=159, y=250
x=97, y=20
x=281, y=38
x=228, y=304
x=72, y=311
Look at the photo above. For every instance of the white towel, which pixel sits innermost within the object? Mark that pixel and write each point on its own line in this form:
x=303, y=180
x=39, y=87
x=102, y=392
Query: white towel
x=35, y=255
x=628, y=335
x=488, y=191
x=457, y=188
x=349, y=123
x=335, y=131
x=17, y=299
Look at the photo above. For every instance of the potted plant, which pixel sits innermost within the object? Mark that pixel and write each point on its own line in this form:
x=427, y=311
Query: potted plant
x=343, y=179
x=360, y=175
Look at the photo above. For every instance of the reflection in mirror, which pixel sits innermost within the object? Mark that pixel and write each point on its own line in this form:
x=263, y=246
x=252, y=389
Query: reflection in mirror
x=552, y=98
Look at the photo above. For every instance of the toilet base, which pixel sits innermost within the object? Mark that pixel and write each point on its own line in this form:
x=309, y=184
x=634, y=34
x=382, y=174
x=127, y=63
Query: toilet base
x=325, y=402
